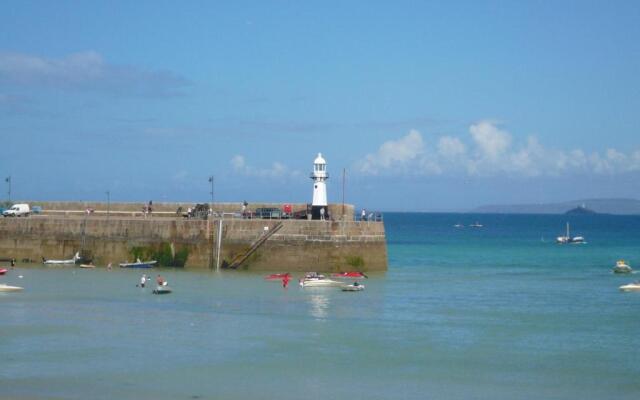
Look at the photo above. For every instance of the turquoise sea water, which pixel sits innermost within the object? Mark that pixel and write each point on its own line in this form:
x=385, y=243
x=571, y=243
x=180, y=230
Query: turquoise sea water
x=499, y=312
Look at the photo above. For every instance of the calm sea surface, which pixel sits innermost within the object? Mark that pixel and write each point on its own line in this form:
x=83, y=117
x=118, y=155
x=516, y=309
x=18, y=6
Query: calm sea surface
x=499, y=312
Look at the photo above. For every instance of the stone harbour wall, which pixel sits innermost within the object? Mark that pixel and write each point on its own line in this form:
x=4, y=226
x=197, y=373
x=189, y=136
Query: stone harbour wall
x=300, y=245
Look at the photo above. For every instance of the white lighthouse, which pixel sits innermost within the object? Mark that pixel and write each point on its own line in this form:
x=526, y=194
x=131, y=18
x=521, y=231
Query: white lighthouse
x=319, y=209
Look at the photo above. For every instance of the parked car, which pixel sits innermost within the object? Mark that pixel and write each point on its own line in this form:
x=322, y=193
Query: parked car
x=17, y=210
x=268, y=213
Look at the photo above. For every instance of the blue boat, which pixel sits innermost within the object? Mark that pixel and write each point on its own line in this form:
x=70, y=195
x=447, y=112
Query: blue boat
x=139, y=264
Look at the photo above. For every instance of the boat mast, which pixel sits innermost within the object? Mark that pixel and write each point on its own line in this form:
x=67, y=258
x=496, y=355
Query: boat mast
x=567, y=230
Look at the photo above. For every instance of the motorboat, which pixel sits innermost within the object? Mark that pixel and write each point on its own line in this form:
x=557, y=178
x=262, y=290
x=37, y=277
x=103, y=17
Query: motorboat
x=87, y=266
x=7, y=288
x=631, y=287
x=313, y=279
x=476, y=225
x=351, y=274
x=567, y=239
x=73, y=260
x=323, y=282
x=164, y=289
x=622, y=268
x=139, y=264
x=3, y=271
x=356, y=287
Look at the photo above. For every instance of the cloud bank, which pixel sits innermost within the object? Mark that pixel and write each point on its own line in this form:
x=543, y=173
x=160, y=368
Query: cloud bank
x=489, y=150
x=86, y=71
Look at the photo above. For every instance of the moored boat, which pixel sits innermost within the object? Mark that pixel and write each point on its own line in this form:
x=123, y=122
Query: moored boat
x=356, y=287
x=567, y=239
x=62, y=262
x=139, y=264
x=351, y=274
x=622, y=268
x=631, y=287
x=313, y=279
x=3, y=271
x=8, y=288
x=164, y=289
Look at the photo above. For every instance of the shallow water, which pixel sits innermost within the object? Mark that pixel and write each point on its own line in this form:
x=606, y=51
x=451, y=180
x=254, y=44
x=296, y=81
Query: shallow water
x=499, y=312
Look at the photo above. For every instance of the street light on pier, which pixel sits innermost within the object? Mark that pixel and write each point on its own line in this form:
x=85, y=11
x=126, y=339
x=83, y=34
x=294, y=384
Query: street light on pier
x=211, y=180
x=108, y=204
x=8, y=180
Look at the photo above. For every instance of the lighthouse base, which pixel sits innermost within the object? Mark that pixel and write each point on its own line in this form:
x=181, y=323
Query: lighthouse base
x=316, y=212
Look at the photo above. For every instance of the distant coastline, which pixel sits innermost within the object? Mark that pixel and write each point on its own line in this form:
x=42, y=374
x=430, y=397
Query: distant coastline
x=598, y=206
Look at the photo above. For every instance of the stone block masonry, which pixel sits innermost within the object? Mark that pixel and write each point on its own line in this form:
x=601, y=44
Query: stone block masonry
x=299, y=246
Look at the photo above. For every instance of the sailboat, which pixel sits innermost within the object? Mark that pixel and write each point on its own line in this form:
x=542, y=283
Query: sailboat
x=568, y=239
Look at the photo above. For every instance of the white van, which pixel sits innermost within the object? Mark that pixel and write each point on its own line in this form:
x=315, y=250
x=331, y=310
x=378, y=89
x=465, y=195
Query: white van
x=17, y=210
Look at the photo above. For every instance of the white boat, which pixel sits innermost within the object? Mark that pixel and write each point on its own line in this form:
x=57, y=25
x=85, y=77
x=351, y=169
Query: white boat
x=568, y=239
x=139, y=264
x=61, y=262
x=164, y=289
x=312, y=279
x=458, y=226
x=7, y=288
x=476, y=225
x=356, y=287
x=87, y=266
x=622, y=268
x=631, y=287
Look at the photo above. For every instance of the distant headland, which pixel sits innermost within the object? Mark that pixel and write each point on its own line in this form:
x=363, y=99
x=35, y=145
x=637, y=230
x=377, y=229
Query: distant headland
x=582, y=207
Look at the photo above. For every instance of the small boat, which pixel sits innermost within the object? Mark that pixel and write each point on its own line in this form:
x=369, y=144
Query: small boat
x=313, y=279
x=352, y=274
x=277, y=276
x=87, y=266
x=164, y=289
x=356, y=287
x=476, y=225
x=631, y=287
x=567, y=239
x=622, y=268
x=458, y=226
x=7, y=288
x=139, y=264
x=3, y=271
x=61, y=262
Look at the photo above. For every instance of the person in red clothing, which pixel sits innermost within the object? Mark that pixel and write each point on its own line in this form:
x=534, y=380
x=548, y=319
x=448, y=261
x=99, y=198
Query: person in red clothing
x=285, y=281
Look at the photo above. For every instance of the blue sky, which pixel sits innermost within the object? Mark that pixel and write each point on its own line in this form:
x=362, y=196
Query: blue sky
x=428, y=106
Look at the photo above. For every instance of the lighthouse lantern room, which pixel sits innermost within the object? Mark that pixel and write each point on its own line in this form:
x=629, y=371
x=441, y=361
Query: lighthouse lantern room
x=319, y=206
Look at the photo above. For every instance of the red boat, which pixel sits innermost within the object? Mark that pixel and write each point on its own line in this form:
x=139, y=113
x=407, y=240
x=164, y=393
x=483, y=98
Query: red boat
x=277, y=276
x=353, y=274
x=3, y=271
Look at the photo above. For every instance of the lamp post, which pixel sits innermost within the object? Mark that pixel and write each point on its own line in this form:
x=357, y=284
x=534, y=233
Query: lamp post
x=211, y=180
x=8, y=180
x=108, y=204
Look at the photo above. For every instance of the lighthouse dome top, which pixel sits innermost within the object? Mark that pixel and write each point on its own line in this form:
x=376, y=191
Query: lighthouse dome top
x=319, y=159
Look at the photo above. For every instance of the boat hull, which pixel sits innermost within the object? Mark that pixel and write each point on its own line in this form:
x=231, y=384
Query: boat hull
x=162, y=290
x=7, y=288
x=632, y=287
x=320, y=283
x=138, y=265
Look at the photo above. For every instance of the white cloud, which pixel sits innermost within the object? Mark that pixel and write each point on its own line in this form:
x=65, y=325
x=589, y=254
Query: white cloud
x=86, y=71
x=491, y=140
x=394, y=153
x=276, y=170
x=491, y=151
x=450, y=147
